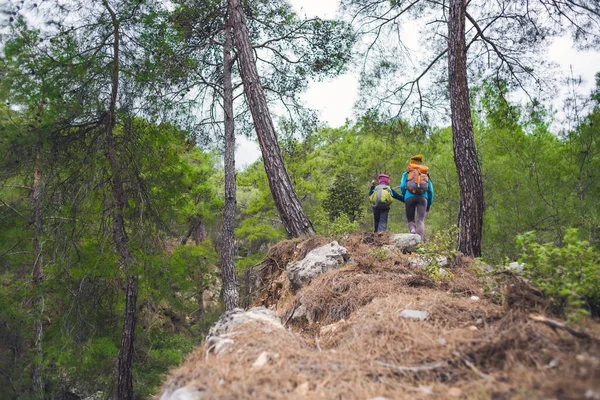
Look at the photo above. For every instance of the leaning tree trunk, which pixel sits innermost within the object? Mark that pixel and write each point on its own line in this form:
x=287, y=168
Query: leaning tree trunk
x=126, y=259
x=470, y=215
x=38, y=273
x=290, y=210
x=230, y=290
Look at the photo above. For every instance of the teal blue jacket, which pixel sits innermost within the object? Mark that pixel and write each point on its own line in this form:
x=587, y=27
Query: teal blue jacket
x=407, y=195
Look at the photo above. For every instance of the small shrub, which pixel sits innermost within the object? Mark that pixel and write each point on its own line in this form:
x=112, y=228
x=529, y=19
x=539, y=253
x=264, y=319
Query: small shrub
x=570, y=274
x=441, y=244
x=379, y=253
x=339, y=226
x=345, y=197
x=437, y=273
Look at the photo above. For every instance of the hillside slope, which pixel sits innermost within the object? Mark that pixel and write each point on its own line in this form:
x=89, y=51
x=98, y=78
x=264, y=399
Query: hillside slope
x=380, y=327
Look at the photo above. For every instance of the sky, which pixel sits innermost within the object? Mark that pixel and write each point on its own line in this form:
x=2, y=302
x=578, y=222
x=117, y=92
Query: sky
x=334, y=98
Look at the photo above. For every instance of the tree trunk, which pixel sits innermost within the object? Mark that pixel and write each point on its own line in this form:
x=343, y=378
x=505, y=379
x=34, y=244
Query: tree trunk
x=125, y=379
x=38, y=273
x=470, y=215
x=230, y=290
x=200, y=283
x=197, y=229
x=290, y=210
x=125, y=376
x=200, y=233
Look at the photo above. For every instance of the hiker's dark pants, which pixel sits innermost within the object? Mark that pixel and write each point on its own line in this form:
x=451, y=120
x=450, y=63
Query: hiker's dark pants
x=380, y=217
x=416, y=204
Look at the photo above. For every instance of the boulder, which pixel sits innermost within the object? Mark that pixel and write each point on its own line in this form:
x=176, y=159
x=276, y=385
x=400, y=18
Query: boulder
x=234, y=318
x=216, y=343
x=406, y=242
x=317, y=262
x=184, y=393
x=515, y=267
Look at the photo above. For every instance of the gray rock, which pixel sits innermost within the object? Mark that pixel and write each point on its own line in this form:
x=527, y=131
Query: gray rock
x=515, y=267
x=441, y=261
x=406, y=242
x=261, y=361
x=299, y=313
x=419, y=261
x=187, y=393
x=184, y=393
x=234, y=318
x=317, y=262
x=415, y=314
x=416, y=261
x=217, y=343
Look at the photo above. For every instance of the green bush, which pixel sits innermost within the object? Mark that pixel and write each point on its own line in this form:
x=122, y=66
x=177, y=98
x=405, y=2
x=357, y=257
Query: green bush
x=341, y=225
x=345, y=198
x=570, y=274
x=441, y=243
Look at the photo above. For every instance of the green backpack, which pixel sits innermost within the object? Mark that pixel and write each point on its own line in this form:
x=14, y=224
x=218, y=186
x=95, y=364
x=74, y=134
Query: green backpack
x=381, y=196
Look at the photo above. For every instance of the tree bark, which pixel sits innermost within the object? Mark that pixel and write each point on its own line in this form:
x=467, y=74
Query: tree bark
x=38, y=273
x=290, y=210
x=125, y=379
x=200, y=289
x=470, y=215
x=127, y=261
x=230, y=290
x=197, y=229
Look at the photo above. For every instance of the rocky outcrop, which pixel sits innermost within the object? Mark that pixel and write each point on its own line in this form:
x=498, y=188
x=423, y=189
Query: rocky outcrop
x=234, y=318
x=317, y=262
x=406, y=242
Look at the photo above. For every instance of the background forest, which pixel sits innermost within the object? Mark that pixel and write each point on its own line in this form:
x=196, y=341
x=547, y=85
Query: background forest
x=112, y=195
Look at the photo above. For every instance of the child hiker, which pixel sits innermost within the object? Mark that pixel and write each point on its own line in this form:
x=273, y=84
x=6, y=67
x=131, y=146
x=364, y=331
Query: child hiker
x=381, y=198
x=417, y=189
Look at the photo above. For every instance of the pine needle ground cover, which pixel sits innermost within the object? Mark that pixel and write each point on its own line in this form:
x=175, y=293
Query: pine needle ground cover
x=353, y=343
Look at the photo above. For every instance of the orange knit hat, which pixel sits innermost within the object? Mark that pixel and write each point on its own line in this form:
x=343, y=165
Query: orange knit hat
x=418, y=159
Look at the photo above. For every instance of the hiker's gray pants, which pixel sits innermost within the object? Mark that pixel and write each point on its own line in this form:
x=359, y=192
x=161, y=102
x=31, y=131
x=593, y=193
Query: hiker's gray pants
x=416, y=204
x=380, y=217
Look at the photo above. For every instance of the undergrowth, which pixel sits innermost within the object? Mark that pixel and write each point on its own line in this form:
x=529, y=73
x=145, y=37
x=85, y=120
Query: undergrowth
x=569, y=275
x=440, y=246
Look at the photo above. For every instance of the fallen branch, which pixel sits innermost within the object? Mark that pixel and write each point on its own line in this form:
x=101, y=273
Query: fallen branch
x=558, y=325
x=474, y=369
x=416, y=368
x=317, y=342
x=296, y=306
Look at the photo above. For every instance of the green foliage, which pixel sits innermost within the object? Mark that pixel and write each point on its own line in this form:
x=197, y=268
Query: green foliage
x=344, y=197
x=339, y=226
x=569, y=274
x=442, y=244
x=378, y=253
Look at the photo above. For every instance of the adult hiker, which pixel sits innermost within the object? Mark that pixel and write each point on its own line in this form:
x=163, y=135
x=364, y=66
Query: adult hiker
x=417, y=189
x=381, y=198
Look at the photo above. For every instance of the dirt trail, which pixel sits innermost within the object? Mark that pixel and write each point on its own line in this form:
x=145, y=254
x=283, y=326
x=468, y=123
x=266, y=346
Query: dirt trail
x=352, y=343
